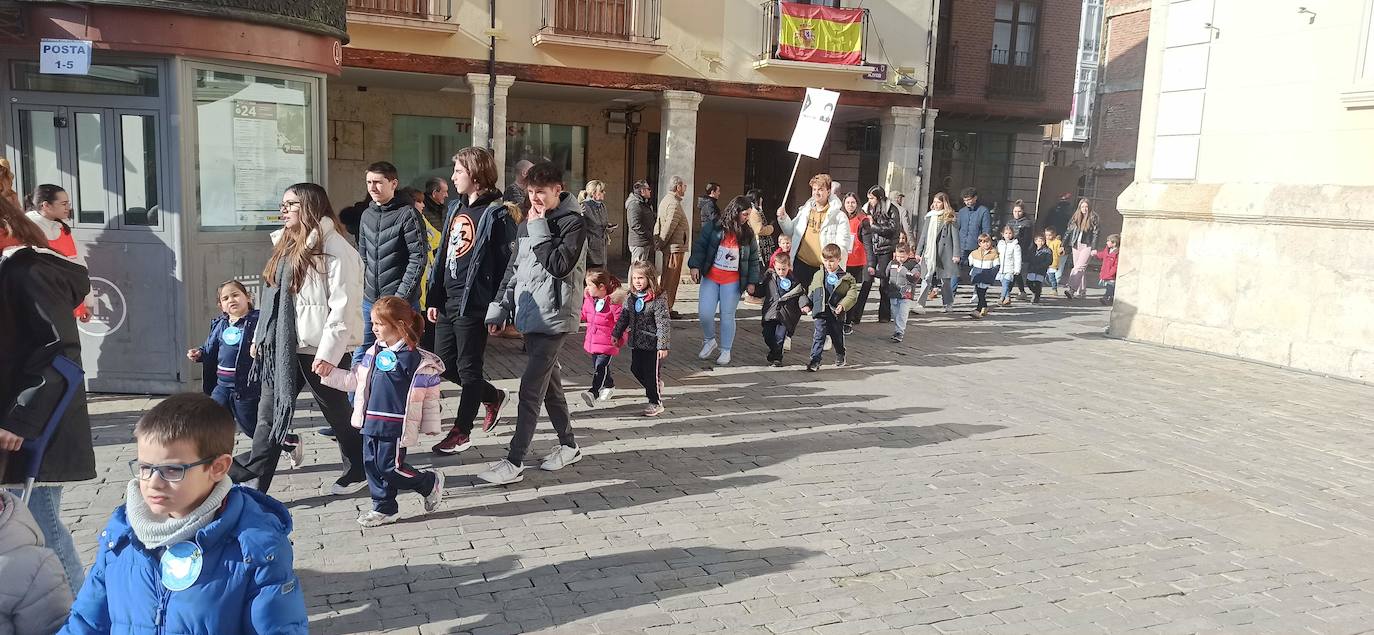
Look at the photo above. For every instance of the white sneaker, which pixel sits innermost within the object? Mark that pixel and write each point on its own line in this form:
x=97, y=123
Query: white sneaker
x=589, y=398
x=787, y=343
x=338, y=489
x=435, y=496
x=708, y=347
x=502, y=472
x=561, y=457
x=377, y=519
x=295, y=457
x=606, y=394
x=724, y=358
x=946, y=309
x=918, y=310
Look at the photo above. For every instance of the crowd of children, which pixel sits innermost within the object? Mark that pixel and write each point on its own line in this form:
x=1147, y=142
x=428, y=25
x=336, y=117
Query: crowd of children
x=190, y=552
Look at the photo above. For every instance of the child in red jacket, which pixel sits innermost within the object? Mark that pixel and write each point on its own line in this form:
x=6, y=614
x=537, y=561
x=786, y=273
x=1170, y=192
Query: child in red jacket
x=601, y=306
x=1108, y=273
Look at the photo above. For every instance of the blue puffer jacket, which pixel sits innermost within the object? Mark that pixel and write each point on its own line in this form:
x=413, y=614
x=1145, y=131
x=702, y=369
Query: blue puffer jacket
x=247, y=584
x=209, y=356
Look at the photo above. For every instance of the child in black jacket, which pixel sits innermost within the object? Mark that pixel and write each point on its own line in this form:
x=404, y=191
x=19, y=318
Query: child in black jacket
x=781, y=306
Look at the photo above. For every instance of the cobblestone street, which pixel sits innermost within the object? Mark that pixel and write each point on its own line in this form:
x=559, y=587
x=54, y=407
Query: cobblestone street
x=1019, y=474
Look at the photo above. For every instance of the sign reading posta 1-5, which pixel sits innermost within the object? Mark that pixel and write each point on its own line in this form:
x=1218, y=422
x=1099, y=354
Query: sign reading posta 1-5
x=64, y=57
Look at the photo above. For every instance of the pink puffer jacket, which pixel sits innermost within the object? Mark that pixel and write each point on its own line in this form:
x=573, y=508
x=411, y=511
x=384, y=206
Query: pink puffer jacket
x=601, y=323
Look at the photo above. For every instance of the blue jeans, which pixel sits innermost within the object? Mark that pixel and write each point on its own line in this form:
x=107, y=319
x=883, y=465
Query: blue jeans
x=245, y=411
x=46, y=506
x=368, y=338
x=901, y=310
x=1053, y=275
x=726, y=297
x=1006, y=287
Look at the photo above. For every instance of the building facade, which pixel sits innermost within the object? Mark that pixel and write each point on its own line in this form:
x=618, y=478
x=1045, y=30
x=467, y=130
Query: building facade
x=174, y=146
x=1116, y=110
x=1004, y=70
x=622, y=90
x=1245, y=229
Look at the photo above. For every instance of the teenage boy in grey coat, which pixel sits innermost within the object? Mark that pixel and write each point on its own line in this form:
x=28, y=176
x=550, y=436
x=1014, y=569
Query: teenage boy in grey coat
x=543, y=290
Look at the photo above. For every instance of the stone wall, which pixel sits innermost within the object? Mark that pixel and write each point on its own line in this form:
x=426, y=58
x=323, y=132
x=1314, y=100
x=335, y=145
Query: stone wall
x=1277, y=274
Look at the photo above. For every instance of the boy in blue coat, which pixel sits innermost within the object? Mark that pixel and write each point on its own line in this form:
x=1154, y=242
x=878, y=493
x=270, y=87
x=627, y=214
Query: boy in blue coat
x=188, y=552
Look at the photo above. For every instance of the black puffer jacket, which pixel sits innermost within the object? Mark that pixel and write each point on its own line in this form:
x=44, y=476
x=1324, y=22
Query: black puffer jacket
x=391, y=240
x=38, y=289
x=887, y=228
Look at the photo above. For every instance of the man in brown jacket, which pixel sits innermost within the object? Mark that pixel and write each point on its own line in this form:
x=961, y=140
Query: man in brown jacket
x=670, y=234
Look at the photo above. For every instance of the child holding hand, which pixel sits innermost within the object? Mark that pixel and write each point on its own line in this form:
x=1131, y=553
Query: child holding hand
x=832, y=292
x=644, y=319
x=781, y=306
x=601, y=308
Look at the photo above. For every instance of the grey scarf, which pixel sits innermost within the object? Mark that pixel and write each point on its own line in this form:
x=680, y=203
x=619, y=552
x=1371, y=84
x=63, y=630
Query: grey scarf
x=156, y=531
x=276, y=364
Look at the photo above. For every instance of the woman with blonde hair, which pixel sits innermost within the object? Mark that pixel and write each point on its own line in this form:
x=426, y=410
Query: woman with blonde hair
x=819, y=222
x=1080, y=239
x=592, y=199
x=940, y=250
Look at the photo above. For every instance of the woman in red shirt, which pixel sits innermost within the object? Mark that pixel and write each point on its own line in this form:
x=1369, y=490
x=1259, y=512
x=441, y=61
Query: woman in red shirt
x=857, y=265
x=50, y=208
x=724, y=262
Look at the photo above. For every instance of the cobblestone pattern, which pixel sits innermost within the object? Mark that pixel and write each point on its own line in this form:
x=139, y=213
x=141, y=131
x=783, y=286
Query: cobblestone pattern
x=1019, y=474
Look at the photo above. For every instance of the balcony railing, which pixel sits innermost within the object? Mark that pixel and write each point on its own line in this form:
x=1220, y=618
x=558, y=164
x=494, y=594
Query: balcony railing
x=1016, y=74
x=629, y=20
x=945, y=65
x=771, y=22
x=436, y=10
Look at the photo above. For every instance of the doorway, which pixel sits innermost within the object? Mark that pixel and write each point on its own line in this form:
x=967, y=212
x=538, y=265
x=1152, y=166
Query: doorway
x=767, y=164
x=108, y=152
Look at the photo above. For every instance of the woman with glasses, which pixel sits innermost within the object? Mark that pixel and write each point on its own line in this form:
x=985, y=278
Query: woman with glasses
x=38, y=288
x=309, y=322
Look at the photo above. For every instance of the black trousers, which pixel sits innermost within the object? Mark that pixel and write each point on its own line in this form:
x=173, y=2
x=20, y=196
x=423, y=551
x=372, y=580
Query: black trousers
x=827, y=325
x=880, y=279
x=774, y=334
x=804, y=272
x=387, y=473
x=461, y=343
x=644, y=366
x=860, y=274
x=261, y=462
x=982, y=293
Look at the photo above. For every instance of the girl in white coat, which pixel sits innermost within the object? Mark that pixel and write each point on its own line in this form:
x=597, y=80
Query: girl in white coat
x=311, y=318
x=1008, y=262
x=820, y=222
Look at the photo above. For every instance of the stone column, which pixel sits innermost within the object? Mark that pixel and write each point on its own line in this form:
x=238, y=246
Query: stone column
x=899, y=157
x=480, y=125
x=678, y=147
x=927, y=151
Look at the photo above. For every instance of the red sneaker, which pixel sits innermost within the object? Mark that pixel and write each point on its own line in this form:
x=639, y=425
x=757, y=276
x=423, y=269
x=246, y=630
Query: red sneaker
x=494, y=410
x=453, y=444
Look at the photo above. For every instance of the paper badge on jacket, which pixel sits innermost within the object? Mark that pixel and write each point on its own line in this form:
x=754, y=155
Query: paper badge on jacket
x=181, y=565
x=386, y=361
x=232, y=336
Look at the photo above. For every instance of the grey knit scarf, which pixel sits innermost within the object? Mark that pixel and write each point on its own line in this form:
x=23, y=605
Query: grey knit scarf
x=276, y=364
x=156, y=531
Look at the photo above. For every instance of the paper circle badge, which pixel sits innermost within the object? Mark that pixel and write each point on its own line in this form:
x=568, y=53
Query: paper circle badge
x=784, y=283
x=232, y=336
x=832, y=279
x=181, y=564
x=386, y=360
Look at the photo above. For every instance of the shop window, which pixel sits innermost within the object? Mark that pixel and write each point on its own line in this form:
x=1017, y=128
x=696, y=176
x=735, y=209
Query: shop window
x=255, y=136
x=565, y=146
x=104, y=79
x=422, y=147
x=972, y=159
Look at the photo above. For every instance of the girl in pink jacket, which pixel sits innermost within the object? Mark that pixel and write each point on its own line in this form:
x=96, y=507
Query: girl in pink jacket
x=397, y=386
x=601, y=307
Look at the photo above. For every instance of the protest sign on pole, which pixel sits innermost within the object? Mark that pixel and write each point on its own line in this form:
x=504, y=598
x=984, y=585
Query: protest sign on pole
x=813, y=126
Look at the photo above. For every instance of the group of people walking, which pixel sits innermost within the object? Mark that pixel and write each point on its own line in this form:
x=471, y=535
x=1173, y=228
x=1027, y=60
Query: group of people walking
x=353, y=318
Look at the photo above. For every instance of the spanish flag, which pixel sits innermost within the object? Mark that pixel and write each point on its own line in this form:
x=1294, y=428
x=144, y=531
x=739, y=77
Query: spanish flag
x=812, y=33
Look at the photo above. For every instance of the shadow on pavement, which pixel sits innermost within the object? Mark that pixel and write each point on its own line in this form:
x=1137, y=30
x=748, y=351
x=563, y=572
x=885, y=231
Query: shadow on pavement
x=404, y=596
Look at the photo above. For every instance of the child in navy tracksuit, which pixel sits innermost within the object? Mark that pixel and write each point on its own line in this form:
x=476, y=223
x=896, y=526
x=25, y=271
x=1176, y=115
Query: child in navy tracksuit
x=397, y=387
x=226, y=358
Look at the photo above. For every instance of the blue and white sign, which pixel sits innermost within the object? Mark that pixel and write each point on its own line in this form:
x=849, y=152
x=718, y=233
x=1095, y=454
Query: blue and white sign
x=386, y=360
x=64, y=57
x=232, y=335
x=181, y=565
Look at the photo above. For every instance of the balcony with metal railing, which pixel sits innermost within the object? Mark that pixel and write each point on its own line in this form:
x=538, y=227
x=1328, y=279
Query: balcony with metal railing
x=770, y=58
x=1018, y=75
x=418, y=14
x=631, y=26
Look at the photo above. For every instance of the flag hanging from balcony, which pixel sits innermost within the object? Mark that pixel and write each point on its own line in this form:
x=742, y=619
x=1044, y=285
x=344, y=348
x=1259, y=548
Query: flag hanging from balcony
x=813, y=33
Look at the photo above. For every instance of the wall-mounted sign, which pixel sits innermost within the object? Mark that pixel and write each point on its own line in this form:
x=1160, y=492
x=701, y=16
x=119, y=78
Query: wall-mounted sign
x=64, y=57
x=878, y=73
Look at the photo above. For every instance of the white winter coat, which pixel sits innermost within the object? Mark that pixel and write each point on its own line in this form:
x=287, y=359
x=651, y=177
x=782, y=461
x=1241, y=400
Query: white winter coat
x=834, y=230
x=34, y=596
x=329, y=306
x=1008, y=259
